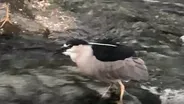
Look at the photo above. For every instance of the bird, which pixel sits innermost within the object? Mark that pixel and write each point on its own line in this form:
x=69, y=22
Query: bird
x=110, y=63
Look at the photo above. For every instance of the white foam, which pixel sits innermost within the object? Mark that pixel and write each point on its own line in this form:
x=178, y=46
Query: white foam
x=171, y=96
x=182, y=38
x=152, y=1
x=152, y=89
x=168, y=96
x=179, y=4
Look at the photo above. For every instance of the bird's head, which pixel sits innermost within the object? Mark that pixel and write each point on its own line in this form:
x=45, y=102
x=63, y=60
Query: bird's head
x=74, y=47
x=75, y=42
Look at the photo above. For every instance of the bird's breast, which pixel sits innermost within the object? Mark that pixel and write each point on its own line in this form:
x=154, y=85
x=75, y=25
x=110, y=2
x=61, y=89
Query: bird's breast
x=94, y=68
x=85, y=65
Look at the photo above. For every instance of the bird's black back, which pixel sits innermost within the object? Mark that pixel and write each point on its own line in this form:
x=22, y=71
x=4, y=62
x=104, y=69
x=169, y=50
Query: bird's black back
x=110, y=53
x=105, y=52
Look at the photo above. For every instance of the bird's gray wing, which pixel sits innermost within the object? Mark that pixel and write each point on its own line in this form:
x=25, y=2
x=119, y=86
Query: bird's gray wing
x=134, y=69
x=128, y=69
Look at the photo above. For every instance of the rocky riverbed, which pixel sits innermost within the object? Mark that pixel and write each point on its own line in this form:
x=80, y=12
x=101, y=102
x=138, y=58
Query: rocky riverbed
x=30, y=72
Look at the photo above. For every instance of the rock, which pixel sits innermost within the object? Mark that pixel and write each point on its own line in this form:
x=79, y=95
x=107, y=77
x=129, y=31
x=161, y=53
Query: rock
x=141, y=94
x=181, y=40
x=7, y=93
x=168, y=95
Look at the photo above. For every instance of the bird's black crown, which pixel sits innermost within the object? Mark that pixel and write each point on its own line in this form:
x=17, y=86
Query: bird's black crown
x=73, y=42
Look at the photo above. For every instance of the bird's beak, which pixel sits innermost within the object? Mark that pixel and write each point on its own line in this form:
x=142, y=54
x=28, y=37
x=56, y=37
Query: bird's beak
x=65, y=53
x=68, y=52
x=61, y=49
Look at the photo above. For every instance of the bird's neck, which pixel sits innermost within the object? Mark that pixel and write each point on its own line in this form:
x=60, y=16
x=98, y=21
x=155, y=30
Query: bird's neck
x=84, y=59
x=85, y=54
x=85, y=65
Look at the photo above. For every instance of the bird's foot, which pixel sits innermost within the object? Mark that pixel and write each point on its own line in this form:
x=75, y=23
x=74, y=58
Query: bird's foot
x=7, y=17
x=122, y=90
x=119, y=102
x=4, y=21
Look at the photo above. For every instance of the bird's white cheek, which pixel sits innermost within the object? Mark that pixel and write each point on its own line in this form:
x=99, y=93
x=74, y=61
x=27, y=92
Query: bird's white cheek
x=68, y=52
x=73, y=56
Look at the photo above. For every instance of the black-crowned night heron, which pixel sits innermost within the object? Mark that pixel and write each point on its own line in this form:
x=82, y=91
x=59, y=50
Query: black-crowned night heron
x=110, y=63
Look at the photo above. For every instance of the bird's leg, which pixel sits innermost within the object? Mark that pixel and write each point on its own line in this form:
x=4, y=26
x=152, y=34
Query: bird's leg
x=105, y=92
x=122, y=90
x=7, y=16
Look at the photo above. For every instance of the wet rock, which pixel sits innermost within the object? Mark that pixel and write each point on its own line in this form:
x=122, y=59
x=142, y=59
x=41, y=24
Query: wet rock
x=15, y=27
x=151, y=97
x=7, y=93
